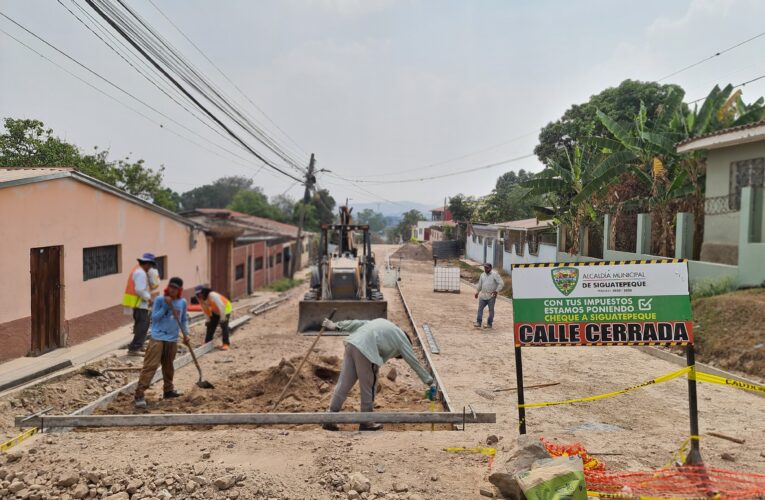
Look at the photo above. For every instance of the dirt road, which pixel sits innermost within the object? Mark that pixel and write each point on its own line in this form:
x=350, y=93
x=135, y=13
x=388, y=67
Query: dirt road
x=646, y=426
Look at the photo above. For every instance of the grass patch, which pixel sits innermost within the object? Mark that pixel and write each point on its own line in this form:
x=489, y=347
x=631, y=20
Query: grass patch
x=284, y=284
x=712, y=287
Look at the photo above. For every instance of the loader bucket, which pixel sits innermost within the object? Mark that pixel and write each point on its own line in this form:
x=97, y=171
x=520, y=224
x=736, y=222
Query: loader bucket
x=313, y=312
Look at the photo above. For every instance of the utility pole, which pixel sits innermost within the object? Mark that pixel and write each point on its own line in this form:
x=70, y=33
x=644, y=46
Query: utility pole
x=310, y=180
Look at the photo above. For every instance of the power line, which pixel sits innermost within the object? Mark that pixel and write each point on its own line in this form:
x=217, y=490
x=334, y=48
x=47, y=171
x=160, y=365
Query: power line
x=742, y=84
x=114, y=85
x=180, y=87
x=450, y=160
x=226, y=76
x=709, y=58
x=441, y=176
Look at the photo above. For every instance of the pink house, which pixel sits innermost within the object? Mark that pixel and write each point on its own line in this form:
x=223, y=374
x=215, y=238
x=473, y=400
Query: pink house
x=69, y=242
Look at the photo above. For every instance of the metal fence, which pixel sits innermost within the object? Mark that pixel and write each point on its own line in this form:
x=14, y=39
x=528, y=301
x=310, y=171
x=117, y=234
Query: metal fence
x=719, y=205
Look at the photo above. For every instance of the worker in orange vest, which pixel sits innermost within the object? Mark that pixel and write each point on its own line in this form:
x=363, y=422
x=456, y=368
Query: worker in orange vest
x=138, y=298
x=218, y=310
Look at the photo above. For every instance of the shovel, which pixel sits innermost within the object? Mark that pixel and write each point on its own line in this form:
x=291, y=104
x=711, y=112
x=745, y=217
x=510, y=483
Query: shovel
x=204, y=384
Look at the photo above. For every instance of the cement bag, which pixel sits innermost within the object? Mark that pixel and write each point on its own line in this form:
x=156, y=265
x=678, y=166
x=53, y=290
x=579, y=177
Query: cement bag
x=561, y=478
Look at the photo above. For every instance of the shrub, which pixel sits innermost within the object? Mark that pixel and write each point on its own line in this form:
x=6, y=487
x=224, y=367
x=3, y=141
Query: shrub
x=284, y=284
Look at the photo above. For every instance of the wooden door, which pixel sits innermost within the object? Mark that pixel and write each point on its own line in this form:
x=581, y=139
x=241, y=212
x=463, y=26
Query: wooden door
x=47, y=277
x=221, y=270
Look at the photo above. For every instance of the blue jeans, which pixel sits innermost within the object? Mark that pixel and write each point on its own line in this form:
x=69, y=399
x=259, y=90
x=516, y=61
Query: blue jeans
x=483, y=303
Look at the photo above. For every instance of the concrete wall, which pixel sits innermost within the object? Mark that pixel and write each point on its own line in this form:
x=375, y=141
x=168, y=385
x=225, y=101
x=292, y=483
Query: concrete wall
x=73, y=214
x=725, y=228
x=547, y=253
x=476, y=250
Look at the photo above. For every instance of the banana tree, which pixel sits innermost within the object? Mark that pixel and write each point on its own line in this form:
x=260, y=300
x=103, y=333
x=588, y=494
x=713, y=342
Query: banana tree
x=649, y=154
x=572, y=189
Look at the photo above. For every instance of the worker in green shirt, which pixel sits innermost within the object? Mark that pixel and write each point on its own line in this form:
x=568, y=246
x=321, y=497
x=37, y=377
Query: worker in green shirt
x=370, y=344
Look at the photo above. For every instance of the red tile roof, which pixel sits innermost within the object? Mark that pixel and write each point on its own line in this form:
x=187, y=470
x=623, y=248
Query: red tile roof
x=260, y=222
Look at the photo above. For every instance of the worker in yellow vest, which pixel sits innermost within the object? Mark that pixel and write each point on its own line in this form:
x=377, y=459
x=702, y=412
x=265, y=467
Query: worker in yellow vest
x=218, y=310
x=137, y=298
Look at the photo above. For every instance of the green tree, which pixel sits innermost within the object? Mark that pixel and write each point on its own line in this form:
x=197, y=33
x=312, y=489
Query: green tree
x=285, y=205
x=572, y=190
x=254, y=202
x=218, y=194
x=404, y=228
x=463, y=207
x=580, y=121
x=324, y=205
x=27, y=143
x=509, y=200
x=375, y=220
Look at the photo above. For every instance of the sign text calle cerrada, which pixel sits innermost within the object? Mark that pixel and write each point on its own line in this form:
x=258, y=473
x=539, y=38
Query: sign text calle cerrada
x=602, y=303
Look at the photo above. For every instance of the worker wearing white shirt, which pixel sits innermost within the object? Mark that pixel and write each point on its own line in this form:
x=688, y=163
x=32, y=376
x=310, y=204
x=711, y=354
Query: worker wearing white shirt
x=489, y=285
x=154, y=282
x=138, y=298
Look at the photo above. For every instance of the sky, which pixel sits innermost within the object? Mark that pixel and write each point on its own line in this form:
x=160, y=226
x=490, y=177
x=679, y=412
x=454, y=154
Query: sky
x=378, y=90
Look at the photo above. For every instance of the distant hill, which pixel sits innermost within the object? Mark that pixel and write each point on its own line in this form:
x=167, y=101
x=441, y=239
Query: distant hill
x=393, y=209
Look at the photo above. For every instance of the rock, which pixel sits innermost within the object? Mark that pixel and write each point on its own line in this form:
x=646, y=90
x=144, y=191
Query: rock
x=507, y=485
x=16, y=486
x=528, y=450
x=359, y=482
x=353, y=495
x=492, y=440
x=122, y=495
x=485, y=492
x=225, y=482
x=164, y=495
x=68, y=479
x=415, y=496
x=13, y=456
x=205, y=455
x=392, y=374
x=92, y=477
x=134, y=485
x=81, y=491
x=191, y=487
x=324, y=388
x=200, y=480
x=400, y=488
x=434, y=478
x=728, y=457
x=380, y=468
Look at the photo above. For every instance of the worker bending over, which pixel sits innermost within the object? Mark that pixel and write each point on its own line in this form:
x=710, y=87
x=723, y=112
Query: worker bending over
x=218, y=309
x=168, y=317
x=370, y=344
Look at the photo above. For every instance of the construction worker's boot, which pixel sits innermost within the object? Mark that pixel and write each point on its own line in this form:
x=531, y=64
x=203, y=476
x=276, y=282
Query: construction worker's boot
x=172, y=394
x=223, y=347
x=140, y=403
x=370, y=427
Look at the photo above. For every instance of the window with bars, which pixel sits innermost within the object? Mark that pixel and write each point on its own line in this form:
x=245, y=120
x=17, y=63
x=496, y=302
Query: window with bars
x=279, y=258
x=742, y=174
x=258, y=263
x=100, y=261
x=162, y=266
x=239, y=272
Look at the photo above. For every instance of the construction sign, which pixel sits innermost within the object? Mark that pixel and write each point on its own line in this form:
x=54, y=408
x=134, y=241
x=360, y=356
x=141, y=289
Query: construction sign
x=637, y=302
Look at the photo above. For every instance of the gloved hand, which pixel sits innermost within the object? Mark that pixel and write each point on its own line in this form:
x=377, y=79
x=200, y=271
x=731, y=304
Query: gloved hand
x=431, y=392
x=329, y=324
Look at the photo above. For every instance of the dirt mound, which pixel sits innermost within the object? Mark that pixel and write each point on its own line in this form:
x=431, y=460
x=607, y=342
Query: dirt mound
x=413, y=251
x=729, y=331
x=256, y=391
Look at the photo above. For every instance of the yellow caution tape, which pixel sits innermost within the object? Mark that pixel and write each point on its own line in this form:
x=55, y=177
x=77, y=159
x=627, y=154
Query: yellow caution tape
x=19, y=439
x=716, y=379
x=680, y=455
x=657, y=380
x=489, y=452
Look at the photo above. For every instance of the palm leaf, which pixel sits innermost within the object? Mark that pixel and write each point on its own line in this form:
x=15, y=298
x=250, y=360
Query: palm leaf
x=621, y=133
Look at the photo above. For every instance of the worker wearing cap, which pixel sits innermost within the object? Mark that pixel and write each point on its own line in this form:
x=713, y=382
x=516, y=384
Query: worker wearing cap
x=137, y=299
x=489, y=285
x=218, y=310
x=169, y=317
x=370, y=344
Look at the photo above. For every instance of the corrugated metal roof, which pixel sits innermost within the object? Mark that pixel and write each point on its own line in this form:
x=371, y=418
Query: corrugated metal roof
x=721, y=132
x=526, y=224
x=13, y=174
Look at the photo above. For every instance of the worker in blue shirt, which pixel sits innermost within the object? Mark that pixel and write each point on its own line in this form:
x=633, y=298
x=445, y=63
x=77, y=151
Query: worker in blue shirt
x=169, y=317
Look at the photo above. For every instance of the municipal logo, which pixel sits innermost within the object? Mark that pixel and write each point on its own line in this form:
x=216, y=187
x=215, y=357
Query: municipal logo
x=565, y=279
